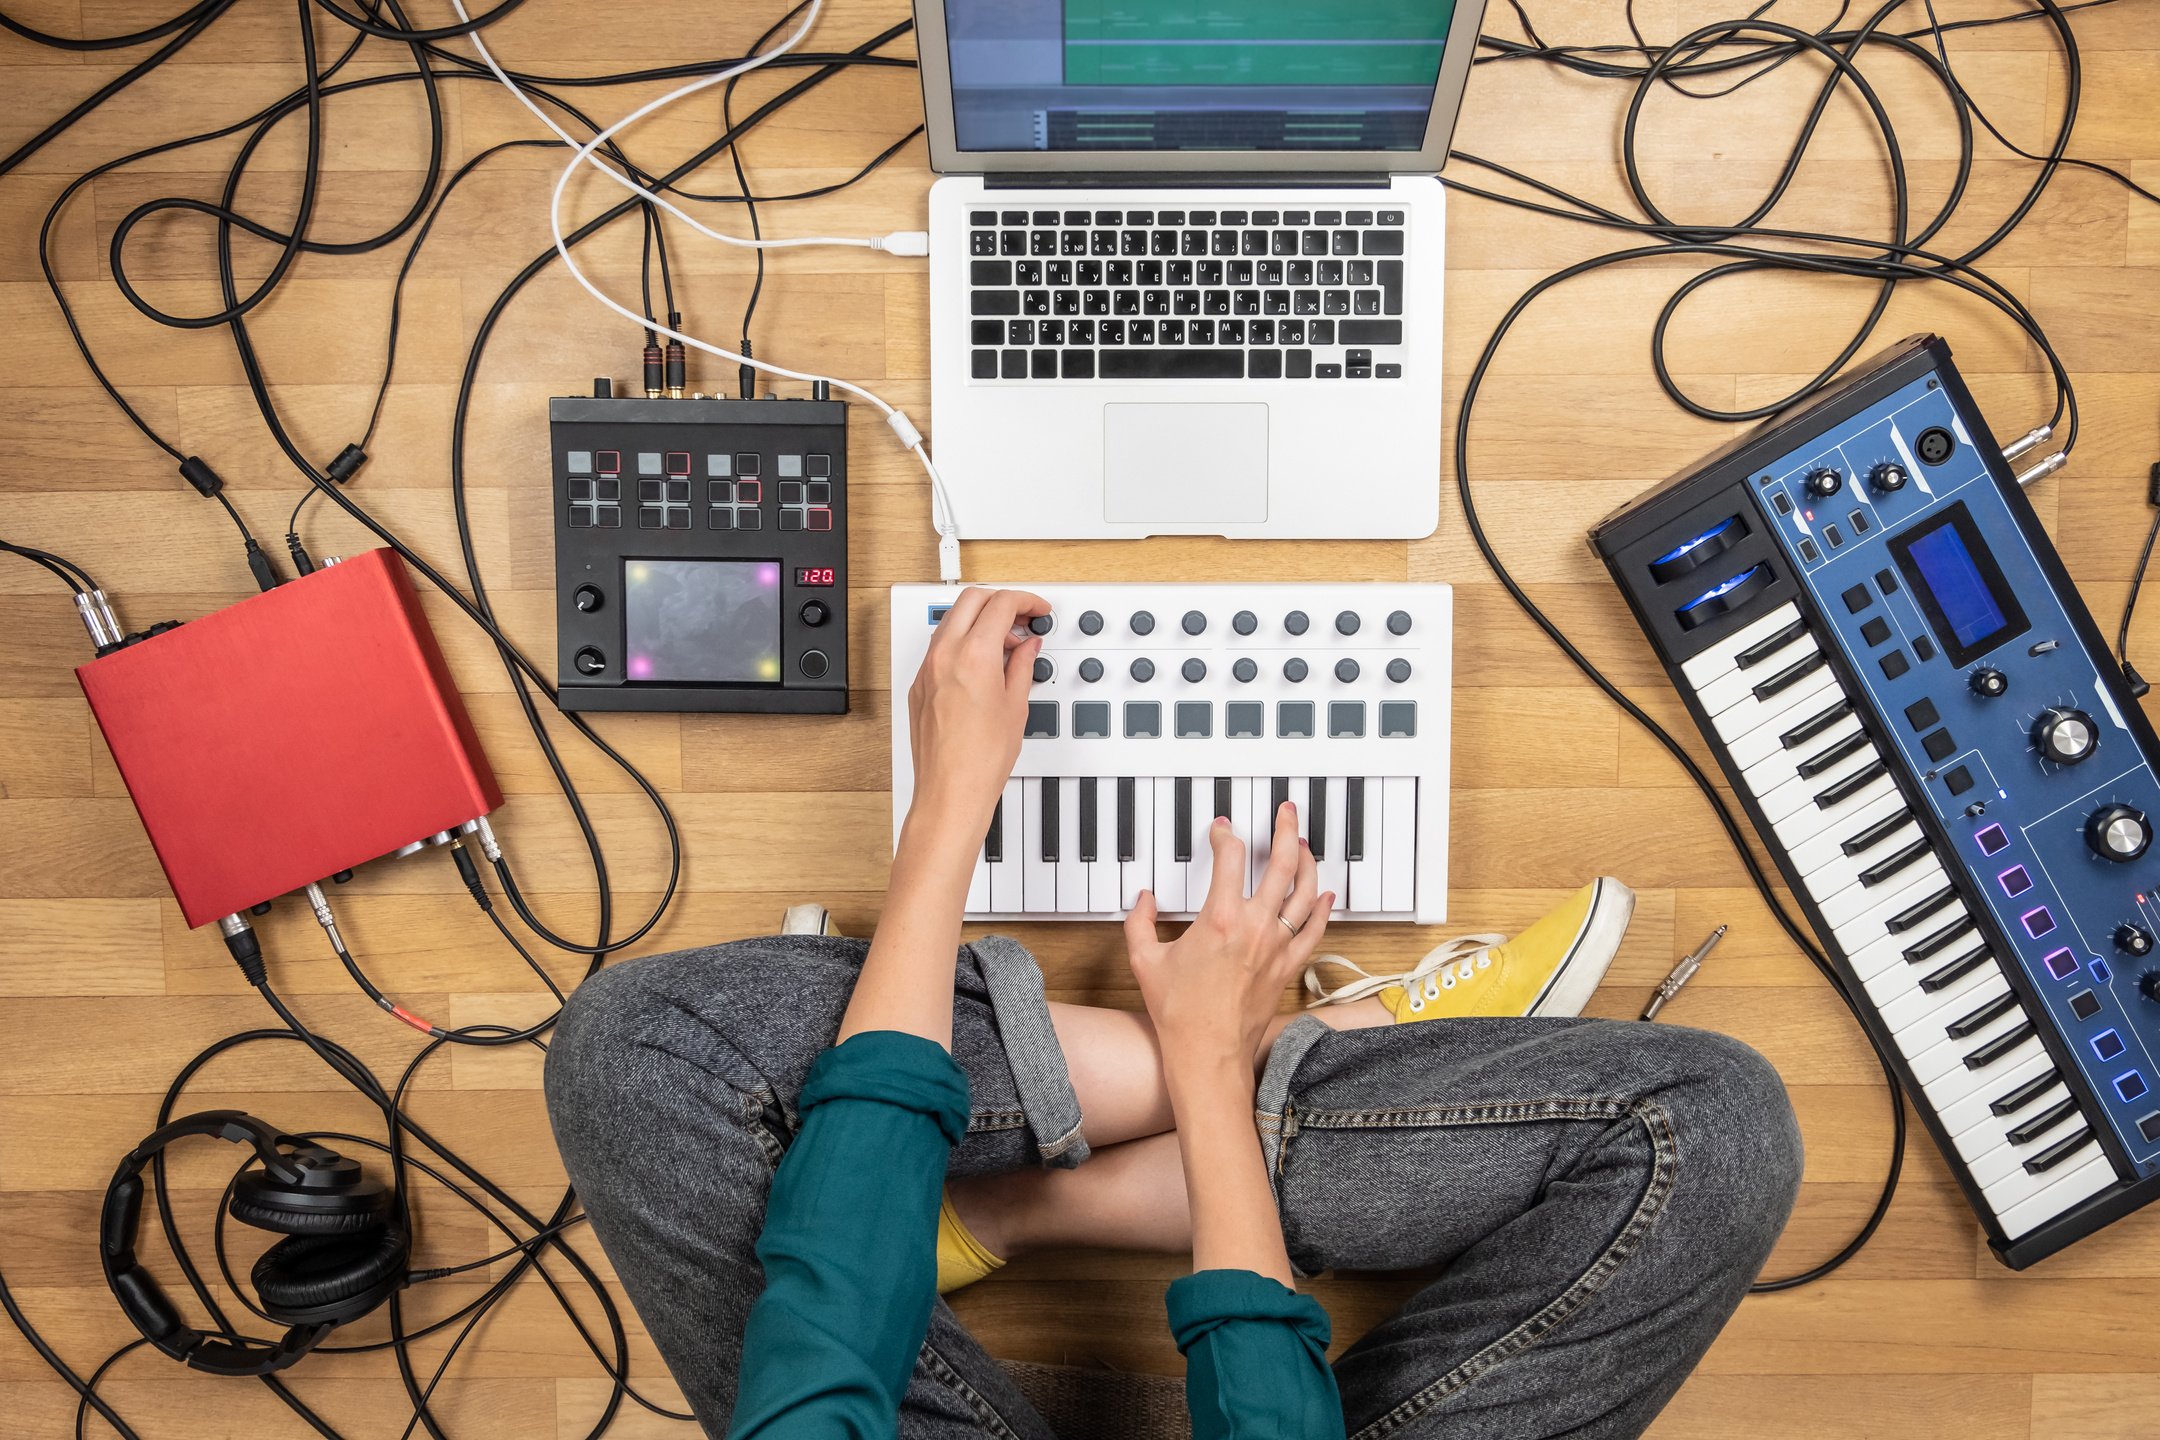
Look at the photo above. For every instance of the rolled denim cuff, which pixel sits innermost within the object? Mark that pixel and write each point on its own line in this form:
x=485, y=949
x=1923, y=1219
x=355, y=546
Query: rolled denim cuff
x=892, y=1068
x=1039, y=1074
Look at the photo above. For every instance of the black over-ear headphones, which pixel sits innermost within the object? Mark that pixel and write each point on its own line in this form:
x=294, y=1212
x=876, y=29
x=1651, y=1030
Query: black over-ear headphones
x=343, y=1254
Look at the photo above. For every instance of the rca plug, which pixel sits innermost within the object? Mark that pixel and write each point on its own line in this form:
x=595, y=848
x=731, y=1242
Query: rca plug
x=244, y=948
x=347, y=464
x=655, y=382
x=470, y=871
x=678, y=359
x=102, y=640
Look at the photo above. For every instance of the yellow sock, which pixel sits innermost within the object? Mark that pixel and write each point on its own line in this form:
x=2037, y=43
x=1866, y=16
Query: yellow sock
x=961, y=1258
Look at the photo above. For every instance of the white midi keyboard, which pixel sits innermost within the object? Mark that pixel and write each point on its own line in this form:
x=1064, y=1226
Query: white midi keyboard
x=1157, y=708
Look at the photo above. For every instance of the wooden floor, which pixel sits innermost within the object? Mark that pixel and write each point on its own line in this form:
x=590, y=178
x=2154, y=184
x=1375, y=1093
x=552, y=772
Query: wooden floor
x=104, y=992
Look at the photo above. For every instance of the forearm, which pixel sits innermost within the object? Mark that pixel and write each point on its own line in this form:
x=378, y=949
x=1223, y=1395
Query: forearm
x=906, y=982
x=1235, y=1223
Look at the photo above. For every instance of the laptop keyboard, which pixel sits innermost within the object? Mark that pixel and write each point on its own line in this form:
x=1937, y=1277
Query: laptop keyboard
x=1185, y=294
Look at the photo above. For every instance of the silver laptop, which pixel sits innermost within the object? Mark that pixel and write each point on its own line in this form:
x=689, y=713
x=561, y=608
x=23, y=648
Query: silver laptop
x=1187, y=263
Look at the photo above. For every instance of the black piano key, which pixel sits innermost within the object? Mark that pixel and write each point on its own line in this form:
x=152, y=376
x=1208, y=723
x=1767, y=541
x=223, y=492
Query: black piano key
x=1050, y=824
x=1845, y=749
x=2000, y=1046
x=1983, y=1017
x=1852, y=784
x=1127, y=851
x=1769, y=645
x=1278, y=796
x=1354, y=818
x=1087, y=819
x=1956, y=970
x=1943, y=939
x=2046, y=1120
x=1222, y=797
x=1316, y=823
x=1814, y=725
x=1876, y=833
x=1181, y=845
x=2060, y=1151
x=1791, y=675
x=994, y=843
x=1890, y=865
x=1904, y=920
x=2026, y=1093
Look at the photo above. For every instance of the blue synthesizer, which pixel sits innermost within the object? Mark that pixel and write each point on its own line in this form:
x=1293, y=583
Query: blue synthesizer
x=1885, y=653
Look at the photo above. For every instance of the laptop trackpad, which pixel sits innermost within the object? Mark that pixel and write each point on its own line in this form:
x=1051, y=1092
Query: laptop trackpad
x=1185, y=464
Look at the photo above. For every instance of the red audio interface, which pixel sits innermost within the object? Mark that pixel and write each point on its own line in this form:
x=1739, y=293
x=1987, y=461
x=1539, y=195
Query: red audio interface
x=294, y=735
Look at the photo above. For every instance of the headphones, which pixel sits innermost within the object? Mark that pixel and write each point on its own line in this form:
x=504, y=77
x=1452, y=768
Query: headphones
x=344, y=1251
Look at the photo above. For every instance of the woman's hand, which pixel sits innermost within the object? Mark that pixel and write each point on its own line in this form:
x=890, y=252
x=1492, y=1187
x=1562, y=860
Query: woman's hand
x=1213, y=990
x=968, y=706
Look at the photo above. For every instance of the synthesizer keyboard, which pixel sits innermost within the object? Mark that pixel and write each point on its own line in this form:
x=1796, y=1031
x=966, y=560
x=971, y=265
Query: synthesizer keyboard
x=1897, y=676
x=1157, y=708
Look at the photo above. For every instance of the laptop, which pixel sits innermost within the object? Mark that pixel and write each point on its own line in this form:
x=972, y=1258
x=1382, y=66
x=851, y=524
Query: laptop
x=1187, y=263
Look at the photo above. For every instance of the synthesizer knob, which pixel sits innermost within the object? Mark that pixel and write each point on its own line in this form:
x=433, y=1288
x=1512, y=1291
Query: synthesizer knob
x=1043, y=669
x=1888, y=477
x=813, y=664
x=1398, y=622
x=1398, y=670
x=815, y=612
x=1194, y=670
x=1041, y=624
x=1244, y=622
x=1245, y=670
x=2149, y=985
x=1143, y=670
x=1091, y=622
x=1346, y=670
x=2133, y=939
x=1143, y=623
x=589, y=661
x=587, y=599
x=1193, y=623
x=2065, y=736
x=1091, y=670
x=1293, y=670
x=2118, y=832
x=1295, y=622
x=1824, y=483
x=1989, y=682
x=1347, y=623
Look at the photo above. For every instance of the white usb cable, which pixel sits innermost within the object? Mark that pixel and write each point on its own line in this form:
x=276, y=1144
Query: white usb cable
x=905, y=243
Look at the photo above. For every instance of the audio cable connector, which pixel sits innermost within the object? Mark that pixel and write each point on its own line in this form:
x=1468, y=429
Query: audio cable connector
x=245, y=949
x=678, y=360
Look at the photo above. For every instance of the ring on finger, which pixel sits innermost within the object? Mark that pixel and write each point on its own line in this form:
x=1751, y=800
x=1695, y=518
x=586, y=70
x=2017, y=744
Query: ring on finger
x=1284, y=921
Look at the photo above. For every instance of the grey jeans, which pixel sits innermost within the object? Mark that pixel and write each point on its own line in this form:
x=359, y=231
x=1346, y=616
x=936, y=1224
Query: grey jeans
x=1591, y=1198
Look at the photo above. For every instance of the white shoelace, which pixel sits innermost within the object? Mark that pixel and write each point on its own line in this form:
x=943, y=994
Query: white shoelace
x=1444, y=967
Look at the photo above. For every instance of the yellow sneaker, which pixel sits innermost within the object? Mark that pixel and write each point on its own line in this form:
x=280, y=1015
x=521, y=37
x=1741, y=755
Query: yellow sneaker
x=1549, y=969
x=961, y=1258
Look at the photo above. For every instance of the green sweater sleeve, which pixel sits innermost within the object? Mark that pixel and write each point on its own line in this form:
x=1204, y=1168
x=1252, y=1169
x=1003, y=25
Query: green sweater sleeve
x=1255, y=1359
x=850, y=1243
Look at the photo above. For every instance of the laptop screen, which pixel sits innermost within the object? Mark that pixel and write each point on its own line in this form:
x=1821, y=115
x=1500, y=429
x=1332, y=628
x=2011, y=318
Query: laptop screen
x=1169, y=75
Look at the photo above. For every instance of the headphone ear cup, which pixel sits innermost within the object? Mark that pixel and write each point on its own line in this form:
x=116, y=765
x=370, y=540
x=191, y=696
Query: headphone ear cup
x=329, y=1279
x=257, y=1202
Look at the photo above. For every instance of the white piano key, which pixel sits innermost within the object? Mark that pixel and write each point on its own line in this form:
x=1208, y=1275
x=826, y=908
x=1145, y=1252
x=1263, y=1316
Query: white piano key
x=1038, y=877
x=1072, y=871
x=1754, y=746
x=1811, y=819
x=1920, y=1015
x=1799, y=791
x=1262, y=848
x=1138, y=874
x=1364, y=893
x=1972, y=1113
x=1944, y=1054
x=1953, y=1087
x=1783, y=765
x=1005, y=888
x=1334, y=870
x=1200, y=870
x=1983, y=1140
x=1719, y=658
x=2085, y=1179
x=1892, y=983
x=1826, y=847
x=1398, y=857
x=1896, y=841
x=1925, y=877
x=1735, y=686
x=1990, y=1168
x=1243, y=818
x=1169, y=880
x=1301, y=799
x=1104, y=884
x=1774, y=716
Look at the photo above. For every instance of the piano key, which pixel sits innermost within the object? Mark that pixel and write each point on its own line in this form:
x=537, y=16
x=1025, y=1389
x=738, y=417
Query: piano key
x=1051, y=832
x=1301, y=799
x=1268, y=799
x=1038, y=874
x=1354, y=818
x=1994, y=1048
x=1954, y=1086
x=1138, y=873
x=1316, y=815
x=1902, y=1004
x=978, y=896
x=1721, y=657
x=1245, y=819
x=1791, y=665
x=1782, y=764
x=1992, y=1135
x=1200, y=868
x=1974, y=1112
x=2061, y=1150
x=1780, y=726
x=1365, y=869
x=1822, y=791
x=1839, y=744
x=1823, y=852
x=1169, y=871
x=1072, y=870
x=1005, y=888
x=1332, y=848
x=1944, y=976
x=1879, y=832
x=1768, y=647
x=1182, y=805
x=1881, y=905
x=1105, y=875
x=1851, y=782
x=1817, y=818
x=1223, y=798
x=1935, y=942
x=1127, y=847
x=1922, y=910
x=2013, y=1100
x=1090, y=830
x=1946, y=1055
x=1820, y=723
x=1972, y=1020
x=1398, y=844
x=2017, y=1190
x=2027, y=1131
x=2057, y=1198
x=1908, y=854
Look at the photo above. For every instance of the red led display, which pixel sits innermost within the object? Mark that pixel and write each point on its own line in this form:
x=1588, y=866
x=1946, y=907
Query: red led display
x=814, y=575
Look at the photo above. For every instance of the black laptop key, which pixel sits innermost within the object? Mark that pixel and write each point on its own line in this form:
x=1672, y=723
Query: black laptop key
x=1265, y=365
x=990, y=272
x=2025, y=1093
x=1173, y=365
x=1390, y=275
x=1383, y=242
x=994, y=302
x=1297, y=364
x=1127, y=851
x=983, y=364
x=1181, y=820
x=1089, y=819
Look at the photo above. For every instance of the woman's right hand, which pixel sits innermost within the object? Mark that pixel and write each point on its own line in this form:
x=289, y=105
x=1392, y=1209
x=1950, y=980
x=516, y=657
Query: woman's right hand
x=968, y=706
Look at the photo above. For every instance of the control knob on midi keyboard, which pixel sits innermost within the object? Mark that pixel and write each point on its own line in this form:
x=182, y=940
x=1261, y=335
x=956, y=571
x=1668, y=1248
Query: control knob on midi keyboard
x=2149, y=985
x=1888, y=477
x=2067, y=736
x=1195, y=670
x=1989, y=682
x=1091, y=670
x=1044, y=669
x=2119, y=833
x=1824, y=483
x=2133, y=939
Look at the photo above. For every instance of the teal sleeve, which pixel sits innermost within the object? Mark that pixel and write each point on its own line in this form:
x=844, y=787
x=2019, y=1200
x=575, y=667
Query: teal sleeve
x=1255, y=1359
x=850, y=1242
